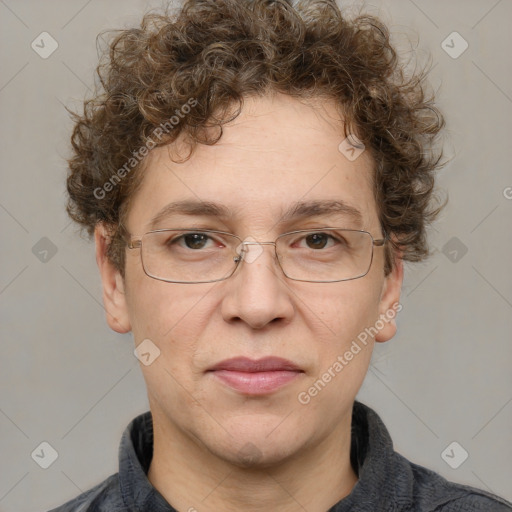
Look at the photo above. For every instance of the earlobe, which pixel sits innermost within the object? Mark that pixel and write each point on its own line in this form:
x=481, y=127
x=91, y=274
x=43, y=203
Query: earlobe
x=114, y=298
x=390, y=305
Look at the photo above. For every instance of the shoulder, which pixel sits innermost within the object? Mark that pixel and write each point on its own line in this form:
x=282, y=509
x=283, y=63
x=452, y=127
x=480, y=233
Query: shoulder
x=104, y=497
x=433, y=493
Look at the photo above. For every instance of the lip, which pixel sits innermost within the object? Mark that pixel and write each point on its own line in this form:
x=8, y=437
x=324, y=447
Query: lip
x=256, y=376
x=265, y=364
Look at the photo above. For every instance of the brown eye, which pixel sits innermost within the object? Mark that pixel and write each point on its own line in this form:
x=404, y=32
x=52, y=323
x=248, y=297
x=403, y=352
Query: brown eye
x=195, y=240
x=317, y=240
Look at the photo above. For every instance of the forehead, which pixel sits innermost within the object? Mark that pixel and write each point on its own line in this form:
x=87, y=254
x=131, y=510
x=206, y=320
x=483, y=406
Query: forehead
x=278, y=154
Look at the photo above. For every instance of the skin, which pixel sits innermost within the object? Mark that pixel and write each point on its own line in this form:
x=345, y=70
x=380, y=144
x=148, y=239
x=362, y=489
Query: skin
x=216, y=448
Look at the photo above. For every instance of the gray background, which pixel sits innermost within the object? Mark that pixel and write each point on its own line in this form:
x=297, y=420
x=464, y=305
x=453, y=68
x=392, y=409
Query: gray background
x=65, y=378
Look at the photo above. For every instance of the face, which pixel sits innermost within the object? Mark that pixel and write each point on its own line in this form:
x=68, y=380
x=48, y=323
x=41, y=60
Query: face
x=278, y=152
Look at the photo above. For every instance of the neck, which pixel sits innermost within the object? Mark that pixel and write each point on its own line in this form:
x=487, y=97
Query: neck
x=192, y=479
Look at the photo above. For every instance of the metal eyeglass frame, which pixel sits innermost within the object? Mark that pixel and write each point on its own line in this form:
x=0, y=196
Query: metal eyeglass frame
x=135, y=242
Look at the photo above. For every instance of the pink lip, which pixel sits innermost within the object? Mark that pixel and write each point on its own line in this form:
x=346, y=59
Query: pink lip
x=266, y=364
x=256, y=377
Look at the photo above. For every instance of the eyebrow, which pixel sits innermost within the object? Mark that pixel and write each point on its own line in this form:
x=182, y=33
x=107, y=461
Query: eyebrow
x=298, y=210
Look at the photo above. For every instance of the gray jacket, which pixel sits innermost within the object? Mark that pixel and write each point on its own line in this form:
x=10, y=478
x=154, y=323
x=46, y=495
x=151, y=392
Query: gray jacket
x=387, y=482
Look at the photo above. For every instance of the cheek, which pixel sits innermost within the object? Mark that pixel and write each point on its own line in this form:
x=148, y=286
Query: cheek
x=172, y=320
x=344, y=339
x=347, y=309
x=174, y=317
x=162, y=310
x=343, y=350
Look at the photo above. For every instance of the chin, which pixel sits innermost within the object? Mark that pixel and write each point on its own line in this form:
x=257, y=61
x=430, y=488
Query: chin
x=254, y=447
x=256, y=456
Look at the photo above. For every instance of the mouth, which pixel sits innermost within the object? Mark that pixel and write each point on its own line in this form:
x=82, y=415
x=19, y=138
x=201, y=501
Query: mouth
x=256, y=377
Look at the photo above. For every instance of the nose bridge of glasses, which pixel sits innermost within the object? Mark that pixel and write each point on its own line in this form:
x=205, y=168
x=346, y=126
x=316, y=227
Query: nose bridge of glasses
x=257, y=243
x=247, y=255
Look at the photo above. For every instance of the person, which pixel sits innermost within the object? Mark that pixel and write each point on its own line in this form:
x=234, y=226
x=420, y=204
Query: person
x=255, y=173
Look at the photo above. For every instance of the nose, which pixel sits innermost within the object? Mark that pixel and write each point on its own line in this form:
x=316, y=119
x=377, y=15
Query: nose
x=257, y=293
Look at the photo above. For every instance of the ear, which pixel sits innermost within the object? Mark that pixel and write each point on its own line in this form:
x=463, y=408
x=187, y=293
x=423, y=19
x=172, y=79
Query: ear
x=389, y=305
x=114, y=298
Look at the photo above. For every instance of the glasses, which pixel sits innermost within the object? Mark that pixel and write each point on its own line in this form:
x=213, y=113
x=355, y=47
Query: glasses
x=323, y=255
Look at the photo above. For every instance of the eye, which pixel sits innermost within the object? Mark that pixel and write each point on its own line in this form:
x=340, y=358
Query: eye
x=320, y=240
x=316, y=240
x=191, y=240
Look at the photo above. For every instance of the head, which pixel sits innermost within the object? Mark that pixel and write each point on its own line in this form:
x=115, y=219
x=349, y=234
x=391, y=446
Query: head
x=245, y=109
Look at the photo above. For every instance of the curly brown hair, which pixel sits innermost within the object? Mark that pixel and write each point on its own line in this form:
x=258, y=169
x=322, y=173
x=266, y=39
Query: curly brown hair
x=212, y=55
